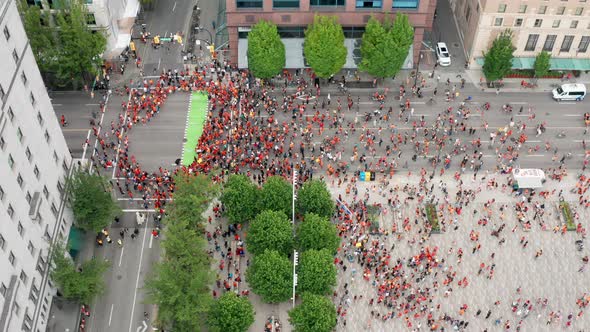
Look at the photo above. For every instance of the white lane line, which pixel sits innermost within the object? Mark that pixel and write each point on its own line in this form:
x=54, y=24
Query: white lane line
x=92, y=104
x=418, y=102
x=121, y=257
x=578, y=141
x=57, y=104
x=174, y=7
x=566, y=103
x=159, y=61
x=139, y=210
x=572, y=114
x=366, y=102
x=518, y=102
x=104, y=110
x=86, y=144
x=521, y=115
x=151, y=240
x=536, y=155
x=533, y=141
x=111, y=314
x=131, y=318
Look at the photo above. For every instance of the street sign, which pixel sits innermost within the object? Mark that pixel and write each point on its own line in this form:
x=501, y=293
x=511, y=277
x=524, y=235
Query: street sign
x=165, y=39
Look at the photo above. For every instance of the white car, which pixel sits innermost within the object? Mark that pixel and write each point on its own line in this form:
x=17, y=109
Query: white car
x=442, y=54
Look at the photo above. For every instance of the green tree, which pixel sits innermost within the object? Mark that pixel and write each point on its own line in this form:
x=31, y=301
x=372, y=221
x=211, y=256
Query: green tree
x=80, y=48
x=270, y=230
x=271, y=276
x=266, y=51
x=498, y=59
x=316, y=272
x=240, y=198
x=317, y=233
x=93, y=206
x=276, y=195
x=385, y=46
x=542, y=64
x=314, y=197
x=179, y=284
x=77, y=284
x=41, y=41
x=324, y=46
x=192, y=195
x=315, y=314
x=231, y=313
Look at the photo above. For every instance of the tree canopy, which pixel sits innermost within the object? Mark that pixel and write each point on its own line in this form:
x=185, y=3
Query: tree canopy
x=41, y=41
x=270, y=275
x=266, y=51
x=77, y=284
x=324, y=46
x=316, y=272
x=240, y=198
x=231, y=313
x=179, y=284
x=276, y=195
x=498, y=59
x=192, y=195
x=314, y=197
x=315, y=314
x=316, y=232
x=270, y=230
x=542, y=64
x=385, y=47
x=93, y=206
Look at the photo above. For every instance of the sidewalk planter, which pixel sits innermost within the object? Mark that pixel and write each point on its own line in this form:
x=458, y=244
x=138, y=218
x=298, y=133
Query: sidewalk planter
x=531, y=74
x=432, y=217
x=373, y=214
x=568, y=216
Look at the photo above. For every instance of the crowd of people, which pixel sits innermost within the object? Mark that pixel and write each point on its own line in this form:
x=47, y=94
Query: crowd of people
x=264, y=128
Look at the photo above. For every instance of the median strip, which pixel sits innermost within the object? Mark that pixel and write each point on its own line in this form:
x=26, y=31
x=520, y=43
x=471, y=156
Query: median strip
x=194, y=126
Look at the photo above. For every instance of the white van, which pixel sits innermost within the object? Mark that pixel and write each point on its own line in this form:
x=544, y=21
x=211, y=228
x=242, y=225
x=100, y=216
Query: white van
x=570, y=91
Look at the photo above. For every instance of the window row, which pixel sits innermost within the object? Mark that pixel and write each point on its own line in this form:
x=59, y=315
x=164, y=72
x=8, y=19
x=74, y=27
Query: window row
x=538, y=23
x=522, y=9
x=402, y=4
x=550, y=40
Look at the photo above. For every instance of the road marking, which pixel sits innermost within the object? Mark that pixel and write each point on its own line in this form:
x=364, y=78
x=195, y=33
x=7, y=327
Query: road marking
x=566, y=103
x=57, y=104
x=418, y=102
x=92, y=104
x=521, y=115
x=151, y=240
x=159, y=61
x=111, y=314
x=536, y=155
x=74, y=130
x=533, y=141
x=518, y=103
x=122, y=133
x=137, y=281
x=121, y=257
x=174, y=7
x=86, y=144
x=572, y=114
x=366, y=102
x=104, y=110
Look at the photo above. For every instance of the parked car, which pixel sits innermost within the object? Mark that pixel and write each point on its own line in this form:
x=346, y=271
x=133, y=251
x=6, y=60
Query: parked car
x=442, y=54
x=569, y=91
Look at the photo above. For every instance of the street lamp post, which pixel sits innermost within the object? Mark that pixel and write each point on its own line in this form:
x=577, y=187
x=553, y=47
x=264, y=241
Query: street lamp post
x=211, y=41
x=418, y=67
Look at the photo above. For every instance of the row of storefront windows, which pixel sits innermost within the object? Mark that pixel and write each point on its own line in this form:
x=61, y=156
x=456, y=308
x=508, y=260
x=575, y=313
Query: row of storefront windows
x=399, y=4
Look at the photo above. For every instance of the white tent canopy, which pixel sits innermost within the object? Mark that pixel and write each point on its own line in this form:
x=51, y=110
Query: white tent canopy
x=529, y=177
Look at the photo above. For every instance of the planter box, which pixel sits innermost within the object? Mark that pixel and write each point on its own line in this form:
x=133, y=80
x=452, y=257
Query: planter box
x=568, y=216
x=432, y=217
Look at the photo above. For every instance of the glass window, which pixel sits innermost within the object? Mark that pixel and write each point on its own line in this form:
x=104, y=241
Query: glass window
x=23, y=277
x=549, y=43
x=291, y=32
x=413, y=4
x=502, y=8
x=31, y=248
x=2, y=242
x=2, y=93
x=10, y=161
x=19, y=134
x=28, y=154
x=573, y=24
x=560, y=10
x=40, y=118
x=285, y=3
x=498, y=21
x=567, y=43
x=45, y=192
x=326, y=2
x=249, y=3
x=368, y=3
x=15, y=55
x=538, y=23
x=47, y=137
x=6, y=33
x=583, y=46
x=1, y=194
x=522, y=9
x=32, y=98
x=579, y=11
x=20, y=181
x=518, y=22
x=2, y=143
x=10, y=210
x=28, y=197
x=556, y=23
x=531, y=42
x=36, y=172
x=10, y=114
x=23, y=77
x=20, y=229
x=542, y=10
x=90, y=19
x=12, y=259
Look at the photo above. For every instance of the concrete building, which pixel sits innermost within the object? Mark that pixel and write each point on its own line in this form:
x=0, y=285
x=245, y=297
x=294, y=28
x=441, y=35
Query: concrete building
x=116, y=17
x=293, y=16
x=34, y=161
x=559, y=27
